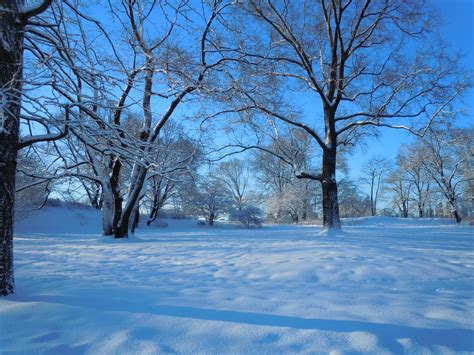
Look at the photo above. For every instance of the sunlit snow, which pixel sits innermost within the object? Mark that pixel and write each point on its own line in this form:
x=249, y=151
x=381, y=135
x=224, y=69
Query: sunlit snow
x=383, y=286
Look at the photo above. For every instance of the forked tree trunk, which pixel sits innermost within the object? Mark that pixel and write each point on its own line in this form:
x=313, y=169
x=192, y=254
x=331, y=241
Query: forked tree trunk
x=132, y=199
x=153, y=212
x=11, y=48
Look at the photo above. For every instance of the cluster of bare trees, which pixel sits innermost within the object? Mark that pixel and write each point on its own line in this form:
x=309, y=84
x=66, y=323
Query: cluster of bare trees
x=434, y=174
x=82, y=75
x=431, y=177
x=94, y=97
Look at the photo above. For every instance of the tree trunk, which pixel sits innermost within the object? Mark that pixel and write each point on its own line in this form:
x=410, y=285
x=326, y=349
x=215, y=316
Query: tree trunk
x=211, y=219
x=405, y=209
x=454, y=210
x=456, y=216
x=11, y=51
x=136, y=186
x=372, y=202
x=108, y=210
x=331, y=218
x=155, y=208
x=116, y=166
x=153, y=212
x=135, y=218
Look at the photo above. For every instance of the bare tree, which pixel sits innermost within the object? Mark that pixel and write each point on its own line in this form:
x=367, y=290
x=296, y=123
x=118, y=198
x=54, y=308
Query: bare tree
x=234, y=175
x=358, y=64
x=148, y=72
x=401, y=186
x=181, y=83
x=411, y=160
x=449, y=154
x=375, y=171
x=209, y=199
x=352, y=202
x=172, y=175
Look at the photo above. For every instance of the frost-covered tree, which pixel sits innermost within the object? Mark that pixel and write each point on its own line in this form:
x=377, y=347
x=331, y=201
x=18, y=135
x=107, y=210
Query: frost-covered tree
x=339, y=68
x=145, y=69
x=34, y=182
x=248, y=215
x=279, y=166
x=448, y=159
x=164, y=183
x=399, y=183
x=352, y=202
x=411, y=160
x=234, y=175
x=209, y=199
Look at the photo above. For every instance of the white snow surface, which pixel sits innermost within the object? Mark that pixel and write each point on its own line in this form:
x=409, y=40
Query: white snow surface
x=383, y=286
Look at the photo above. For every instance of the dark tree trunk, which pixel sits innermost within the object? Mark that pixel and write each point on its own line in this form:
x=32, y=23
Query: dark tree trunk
x=155, y=208
x=11, y=48
x=372, y=201
x=133, y=197
x=211, y=219
x=116, y=166
x=153, y=213
x=457, y=216
x=331, y=218
x=405, y=211
x=136, y=219
x=454, y=210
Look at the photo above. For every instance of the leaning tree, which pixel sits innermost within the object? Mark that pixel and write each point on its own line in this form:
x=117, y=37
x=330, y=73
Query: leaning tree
x=338, y=69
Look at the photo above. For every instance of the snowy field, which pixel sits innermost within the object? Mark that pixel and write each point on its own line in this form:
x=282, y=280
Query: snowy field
x=384, y=286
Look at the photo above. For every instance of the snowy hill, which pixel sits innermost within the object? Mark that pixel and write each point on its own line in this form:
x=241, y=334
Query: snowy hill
x=57, y=220
x=383, y=286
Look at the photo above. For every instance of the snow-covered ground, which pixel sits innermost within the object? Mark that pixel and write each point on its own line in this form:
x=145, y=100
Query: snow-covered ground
x=384, y=286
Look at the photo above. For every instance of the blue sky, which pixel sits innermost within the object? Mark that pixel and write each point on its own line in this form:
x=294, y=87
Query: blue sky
x=457, y=28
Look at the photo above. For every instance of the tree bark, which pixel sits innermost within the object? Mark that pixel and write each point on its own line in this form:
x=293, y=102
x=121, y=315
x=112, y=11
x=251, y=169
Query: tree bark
x=108, y=209
x=331, y=218
x=11, y=52
x=153, y=211
x=116, y=166
x=456, y=216
x=134, y=194
x=454, y=210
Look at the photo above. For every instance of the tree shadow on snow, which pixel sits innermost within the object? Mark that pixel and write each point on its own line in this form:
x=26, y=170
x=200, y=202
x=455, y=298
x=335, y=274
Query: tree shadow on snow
x=458, y=340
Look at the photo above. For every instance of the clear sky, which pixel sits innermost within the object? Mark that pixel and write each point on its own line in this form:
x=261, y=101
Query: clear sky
x=457, y=28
